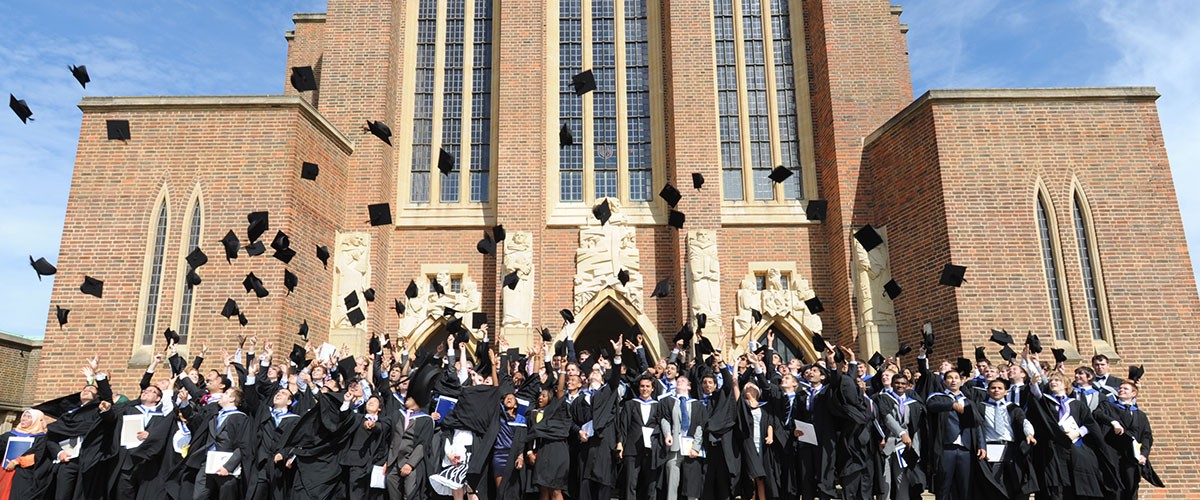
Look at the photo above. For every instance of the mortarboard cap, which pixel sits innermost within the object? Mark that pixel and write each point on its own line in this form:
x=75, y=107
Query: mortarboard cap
x=242, y=319
x=93, y=287
x=177, y=363
x=780, y=174
x=399, y=307
x=280, y=241
x=486, y=245
x=980, y=356
x=255, y=249
x=670, y=195
x=303, y=79
x=584, y=82
x=355, y=316
x=661, y=289
x=309, y=171
x=704, y=347
x=819, y=344
x=42, y=267
x=1007, y=353
x=623, y=276
x=290, y=280
x=118, y=130
x=231, y=309
x=1136, y=373
x=892, y=289
x=1060, y=355
x=560, y=348
x=345, y=368
x=876, y=361
x=564, y=136
x=445, y=161
x=602, y=212
x=816, y=209
x=193, y=279
x=411, y=291
x=448, y=311
x=260, y=291
x=369, y=294
x=839, y=356
x=478, y=319
x=756, y=315
x=248, y=283
x=904, y=349
x=701, y=321
x=697, y=180
x=231, y=244
x=351, y=300
x=172, y=336
x=259, y=223
x=513, y=353
x=546, y=335
x=323, y=255
x=1001, y=337
x=498, y=233
x=927, y=342
x=20, y=108
x=437, y=287
x=298, y=355
x=1034, y=343
x=511, y=280
x=814, y=305
x=952, y=275
x=381, y=214
x=685, y=334
x=61, y=315
x=197, y=258
x=285, y=255
x=868, y=238
x=567, y=315
x=963, y=366
x=81, y=75
x=420, y=386
x=303, y=332
x=380, y=130
x=675, y=219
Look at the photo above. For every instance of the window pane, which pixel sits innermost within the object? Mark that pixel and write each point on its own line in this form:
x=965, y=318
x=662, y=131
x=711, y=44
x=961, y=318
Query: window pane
x=1050, y=261
x=452, y=89
x=422, y=134
x=637, y=100
x=604, y=98
x=185, y=310
x=570, y=106
x=727, y=100
x=785, y=96
x=481, y=102
x=756, y=104
x=1089, y=278
x=160, y=243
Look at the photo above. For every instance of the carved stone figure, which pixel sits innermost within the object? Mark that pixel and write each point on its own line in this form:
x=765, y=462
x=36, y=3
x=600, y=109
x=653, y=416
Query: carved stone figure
x=518, y=302
x=776, y=303
x=704, y=275
x=604, y=251
x=428, y=306
x=876, y=313
x=352, y=273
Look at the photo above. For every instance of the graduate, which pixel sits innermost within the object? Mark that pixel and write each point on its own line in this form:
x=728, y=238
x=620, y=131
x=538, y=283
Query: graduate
x=25, y=471
x=902, y=419
x=721, y=445
x=857, y=433
x=955, y=442
x=690, y=440
x=412, y=431
x=137, y=473
x=643, y=438
x=549, y=425
x=757, y=426
x=1127, y=432
x=817, y=472
x=224, y=441
x=1006, y=470
x=77, y=415
x=599, y=408
x=267, y=478
x=365, y=448
x=1065, y=460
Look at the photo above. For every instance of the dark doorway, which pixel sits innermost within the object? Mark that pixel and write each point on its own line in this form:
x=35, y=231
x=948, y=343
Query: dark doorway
x=784, y=346
x=604, y=327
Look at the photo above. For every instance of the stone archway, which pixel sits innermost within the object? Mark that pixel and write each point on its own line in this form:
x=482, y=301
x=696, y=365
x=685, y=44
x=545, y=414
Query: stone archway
x=607, y=308
x=791, y=331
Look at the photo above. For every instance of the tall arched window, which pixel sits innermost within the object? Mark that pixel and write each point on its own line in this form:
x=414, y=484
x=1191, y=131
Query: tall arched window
x=153, y=282
x=1090, y=264
x=1050, y=261
x=188, y=297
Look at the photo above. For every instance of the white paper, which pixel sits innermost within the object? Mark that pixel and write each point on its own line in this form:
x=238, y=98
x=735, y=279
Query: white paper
x=216, y=459
x=1068, y=424
x=377, y=477
x=995, y=452
x=325, y=351
x=647, y=432
x=1137, y=449
x=72, y=447
x=808, y=433
x=131, y=425
x=589, y=428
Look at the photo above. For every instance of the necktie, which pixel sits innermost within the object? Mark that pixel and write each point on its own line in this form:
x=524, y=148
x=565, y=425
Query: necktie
x=222, y=416
x=1063, y=407
x=684, y=417
x=277, y=414
x=791, y=403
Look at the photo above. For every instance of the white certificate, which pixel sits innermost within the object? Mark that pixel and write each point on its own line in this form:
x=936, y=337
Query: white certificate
x=1068, y=424
x=216, y=459
x=808, y=433
x=647, y=432
x=326, y=351
x=72, y=447
x=377, y=477
x=995, y=452
x=589, y=428
x=131, y=425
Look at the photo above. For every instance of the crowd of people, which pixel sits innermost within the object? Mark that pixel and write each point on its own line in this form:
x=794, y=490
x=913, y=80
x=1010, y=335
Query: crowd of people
x=555, y=422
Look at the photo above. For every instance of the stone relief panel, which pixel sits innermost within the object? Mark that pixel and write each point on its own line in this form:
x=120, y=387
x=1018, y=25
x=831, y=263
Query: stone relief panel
x=605, y=251
x=775, y=302
x=518, y=302
x=429, y=306
x=352, y=274
x=876, y=313
x=703, y=276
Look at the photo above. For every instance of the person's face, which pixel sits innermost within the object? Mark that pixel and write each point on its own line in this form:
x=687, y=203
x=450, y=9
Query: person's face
x=991, y=373
x=1101, y=366
x=813, y=375
x=672, y=371
x=741, y=364
x=87, y=394
x=211, y=377
x=1082, y=379
x=953, y=381
x=1127, y=392
x=887, y=377
x=572, y=370
x=683, y=386
x=1056, y=386
x=318, y=373
x=645, y=388
x=510, y=402
x=518, y=379
x=1016, y=374
x=788, y=383
x=708, y=384
x=574, y=382
x=862, y=369
x=944, y=367
x=282, y=399
x=26, y=419
x=194, y=376
x=899, y=385
x=373, y=406
x=403, y=386
x=794, y=365
x=997, y=391
x=543, y=399
x=410, y=403
x=273, y=372
x=355, y=391
x=982, y=366
x=395, y=375
x=150, y=396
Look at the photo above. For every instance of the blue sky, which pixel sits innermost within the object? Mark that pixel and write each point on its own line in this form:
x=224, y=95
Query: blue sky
x=173, y=47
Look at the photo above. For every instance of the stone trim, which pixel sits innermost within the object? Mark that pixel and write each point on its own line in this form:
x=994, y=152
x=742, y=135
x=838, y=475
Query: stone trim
x=153, y=103
x=308, y=17
x=9, y=338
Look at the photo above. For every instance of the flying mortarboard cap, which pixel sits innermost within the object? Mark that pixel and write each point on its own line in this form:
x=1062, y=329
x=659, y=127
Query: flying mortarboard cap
x=675, y=219
x=351, y=300
x=701, y=321
x=511, y=280
x=355, y=316
x=756, y=315
x=478, y=319
x=892, y=289
x=602, y=212
x=177, y=363
x=81, y=75
x=670, y=195
x=42, y=267
x=1060, y=355
x=819, y=344
x=323, y=255
x=816, y=209
x=303, y=79
x=623, y=276
x=281, y=240
x=172, y=336
x=963, y=366
x=242, y=319
x=904, y=349
x=445, y=161
x=486, y=245
x=255, y=249
x=285, y=255
x=381, y=214
x=546, y=335
x=564, y=136
x=193, y=279
x=1001, y=337
x=256, y=284
x=231, y=244
x=868, y=238
x=197, y=258
x=498, y=233
x=814, y=305
x=567, y=315
x=369, y=294
x=449, y=311
x=704, y=347
x=952, y=275
x=399, y=307
x=1007, y=353
x=411, y=291
x=380, y=130
x=93, y=287
x=259, y=223
x=20, y=108
x=685, y=334
x=697, y=180
x=303, y=332
x=839, y=356
x=61, y=315
x=1136, y=373
x=927, y=342
x=297, y=357
x=309, y=171
x=345, y=368
x=290, y=280
x=584, y=82
x=437, y=287
x=118, y=130
x=662, y=288
x=1034, y=343
x=876, y=361
x=780, y=174
x=980, y=356
x=230, y=309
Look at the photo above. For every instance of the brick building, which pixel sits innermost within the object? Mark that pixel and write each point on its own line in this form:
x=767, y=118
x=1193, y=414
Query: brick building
x=18, y=369
x=1059, y=201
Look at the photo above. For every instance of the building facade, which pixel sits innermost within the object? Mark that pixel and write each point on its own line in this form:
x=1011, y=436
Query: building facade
x=1059, y=201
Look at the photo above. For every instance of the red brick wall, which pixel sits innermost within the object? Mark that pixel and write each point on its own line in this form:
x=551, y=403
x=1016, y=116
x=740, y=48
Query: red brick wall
x=305, y=48
x=19, y=359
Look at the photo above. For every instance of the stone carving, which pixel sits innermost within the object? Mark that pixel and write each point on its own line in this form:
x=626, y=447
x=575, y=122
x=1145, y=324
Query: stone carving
x=876, y=313
x=775, y=303
x=428, y=306
x=518, y=302
x=352, y=273
x=603, y=252
x=703, y=276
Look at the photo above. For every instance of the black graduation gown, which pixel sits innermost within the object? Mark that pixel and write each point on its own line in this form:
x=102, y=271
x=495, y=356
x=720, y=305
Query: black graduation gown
x=364, y=449
x=549, y=428
x=914, y=475
x=264, y=477
x=478, y=411
x=720, y=437
x=1137, y=427
x=1013, y=475
x=72, y=423
x=939, y=406
x=143, y=465
x=857, y=438
x=784, y=412
x=313, y=448
x=757, y=465
x=691, y=470
x=31, y=483
x=598, y=452
x=818, y=467
x=1060, y=462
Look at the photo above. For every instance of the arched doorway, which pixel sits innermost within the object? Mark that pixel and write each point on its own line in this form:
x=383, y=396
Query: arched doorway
x=608, y=315
x=603, y=327
x=791, y=338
